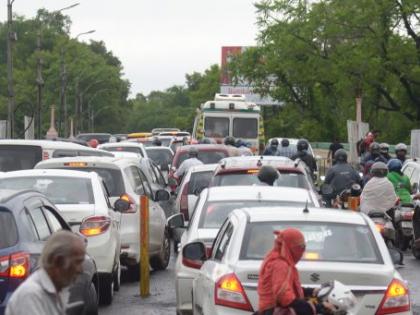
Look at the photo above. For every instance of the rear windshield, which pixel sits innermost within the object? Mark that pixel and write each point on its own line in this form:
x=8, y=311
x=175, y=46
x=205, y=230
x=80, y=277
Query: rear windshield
x=19, y=157
x=199, y=181
x=207, y=157
x=165, y=142
x=160, y=157
x=60, y=190
x=100, y=138
x=175, y=145
x=8, y=230
x=324, y=241
x=216, y=127
x=245, y=128
x=215, y=213
x=247, y=179
x=124, y=149
x=112, y=178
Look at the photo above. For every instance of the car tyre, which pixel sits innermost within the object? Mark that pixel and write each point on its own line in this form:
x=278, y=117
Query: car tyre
x=91, y=301
x=133, y=272
x=106, y=289
x=161, y=261
x=117, y=278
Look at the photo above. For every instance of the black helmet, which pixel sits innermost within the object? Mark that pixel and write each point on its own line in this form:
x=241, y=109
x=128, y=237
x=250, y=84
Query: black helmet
x=268, y=175
x=285, y=142
x=157, y=142
x=274, y=142
x=205, y=141
x=193, y=152
x=379, y=169
x=230, y=141
x=375, y=147
x=340, y=155
x=302, y=145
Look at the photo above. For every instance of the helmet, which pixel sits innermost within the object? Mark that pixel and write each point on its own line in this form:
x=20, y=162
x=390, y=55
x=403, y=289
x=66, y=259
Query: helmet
x=384, y=147
x=274, y=142
x=394, y=165
x=400, y=147
x=340, y=155
x=93, y=143
x=379, y=169
x=302, y=145
x=374, y=147
x=285, y=142
x=338, y=295
x=193, y=152
x=239, y=143
x=157, y=142
x=268, y=175
x=205, y=141
x=230, y=141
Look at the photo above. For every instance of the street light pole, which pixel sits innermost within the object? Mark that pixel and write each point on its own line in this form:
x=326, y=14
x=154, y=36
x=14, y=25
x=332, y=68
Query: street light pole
x=40, y=84
x=63, y=102
x=11, y=36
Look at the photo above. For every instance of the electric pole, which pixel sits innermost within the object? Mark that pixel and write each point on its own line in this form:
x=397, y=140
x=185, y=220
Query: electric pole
x=63, y=102
x=40, y=84
x=11, y=37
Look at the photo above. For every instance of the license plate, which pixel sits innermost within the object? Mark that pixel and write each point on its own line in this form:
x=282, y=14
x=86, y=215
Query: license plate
x=407, y=224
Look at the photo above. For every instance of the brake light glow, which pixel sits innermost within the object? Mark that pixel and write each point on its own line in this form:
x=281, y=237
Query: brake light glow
x=396, y=299
x=311, y=256
x=230, y=293
x=45, y=155
x=76, y=164
x=408, y=215
x=94, y=226
x=16, y=266
x=130, y=200
x=253, y=171
x=379, y=227
x=183, y=203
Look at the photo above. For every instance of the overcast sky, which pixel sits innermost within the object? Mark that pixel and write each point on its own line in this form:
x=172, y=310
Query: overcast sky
x=158, y=41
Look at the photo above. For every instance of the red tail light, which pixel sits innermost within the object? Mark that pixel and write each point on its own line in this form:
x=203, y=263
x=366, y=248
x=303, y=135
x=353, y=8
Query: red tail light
x=183, y=204
x=93, y=226
x=229, y=292
x=407, y=215
x=380, y=227
x=396, y=299
x=130, y=200
x=15, y=266
x=45, y=155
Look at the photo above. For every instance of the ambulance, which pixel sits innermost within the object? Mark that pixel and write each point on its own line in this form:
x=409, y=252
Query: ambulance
x=230, y=115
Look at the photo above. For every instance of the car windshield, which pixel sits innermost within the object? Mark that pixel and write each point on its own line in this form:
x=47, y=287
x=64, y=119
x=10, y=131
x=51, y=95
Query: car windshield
x=207, y=157
x=325, y=241
x=60, y=190
x=124, y=149
x=19, y=157
x=159, y=156
x=112, y=178
x=165, y=142
x=246, y=128
x=215, y=213
x=286, y=179
x=8, y=230
x=199, y=181
x=175, y=145
x=216, y=127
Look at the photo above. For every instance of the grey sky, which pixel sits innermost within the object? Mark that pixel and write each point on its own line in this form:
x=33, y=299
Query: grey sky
x=158, y=41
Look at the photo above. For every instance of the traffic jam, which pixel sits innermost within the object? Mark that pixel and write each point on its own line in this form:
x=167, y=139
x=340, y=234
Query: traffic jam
x=247, y=225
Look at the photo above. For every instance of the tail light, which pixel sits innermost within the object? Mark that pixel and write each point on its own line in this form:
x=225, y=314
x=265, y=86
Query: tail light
x=16, y=266
x=396, y=299
x=379, y=227
x=407, y=215
x=230, y=293
x=96, y=225
x=183, y=203
x=45, y=155
x=130, y=200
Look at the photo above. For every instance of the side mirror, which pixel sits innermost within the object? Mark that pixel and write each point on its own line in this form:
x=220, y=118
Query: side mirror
x=176, y=221
x=396, y=256
x=194, y=255
x=121, y=205
x=414, y=188
x=172, y=182
x=162, y=195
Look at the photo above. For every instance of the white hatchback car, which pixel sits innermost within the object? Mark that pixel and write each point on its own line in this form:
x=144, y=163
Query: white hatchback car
x=124, y=179
x=82, y=201
x=213, y=207
x=124, y=147
x=340, y=245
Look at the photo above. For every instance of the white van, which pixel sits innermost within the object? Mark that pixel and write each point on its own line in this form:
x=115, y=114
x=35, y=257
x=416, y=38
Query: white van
x=18, y=154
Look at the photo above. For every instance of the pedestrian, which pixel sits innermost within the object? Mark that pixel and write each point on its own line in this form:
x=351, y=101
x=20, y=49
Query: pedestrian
x=188, y=163
x=334, y=146
x=285, y=149
x=45, y=291
x=279, y=286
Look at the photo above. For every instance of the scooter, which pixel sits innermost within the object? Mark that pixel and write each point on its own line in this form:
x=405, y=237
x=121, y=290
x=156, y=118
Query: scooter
x=403, y=221
x=340, y=296
x=384, y=225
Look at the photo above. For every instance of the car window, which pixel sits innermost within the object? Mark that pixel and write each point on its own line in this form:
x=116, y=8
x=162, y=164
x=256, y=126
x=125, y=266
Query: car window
x=216, y=127
x=40, y=223
x=199, y=181
x=159, y=177
x=146, y=183
x=220, y=250
x=159, y=156
x=8, y=229
x=19, y=157
x=54, y=223
x=106, y=194
x=134, y=179
x=245, y=128
x=207, y=157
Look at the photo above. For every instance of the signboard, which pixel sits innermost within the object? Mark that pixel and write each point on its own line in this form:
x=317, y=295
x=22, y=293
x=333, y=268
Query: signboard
x=227, y=85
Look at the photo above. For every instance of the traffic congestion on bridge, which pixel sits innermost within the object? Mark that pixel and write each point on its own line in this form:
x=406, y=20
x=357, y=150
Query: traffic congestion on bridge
x=265, y=185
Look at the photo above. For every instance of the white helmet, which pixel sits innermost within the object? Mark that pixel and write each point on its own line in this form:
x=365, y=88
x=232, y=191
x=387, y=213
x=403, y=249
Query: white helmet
x=338, y=295
x=401, y=147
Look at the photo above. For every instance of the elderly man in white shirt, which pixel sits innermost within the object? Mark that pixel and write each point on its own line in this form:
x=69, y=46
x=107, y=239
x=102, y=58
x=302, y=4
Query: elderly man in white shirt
x=44, y=292
x=188, y=163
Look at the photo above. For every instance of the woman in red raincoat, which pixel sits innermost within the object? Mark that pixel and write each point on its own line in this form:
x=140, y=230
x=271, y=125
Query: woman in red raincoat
x=279, y=284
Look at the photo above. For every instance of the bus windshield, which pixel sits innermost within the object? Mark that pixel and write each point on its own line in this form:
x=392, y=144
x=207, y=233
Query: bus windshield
x=245, y=128
x=216, y=127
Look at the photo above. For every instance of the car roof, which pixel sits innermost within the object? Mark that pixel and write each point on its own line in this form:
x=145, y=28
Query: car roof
x=203, y=147
x=267, y=214
x=202, y=168
x=99, y=161
x=49, y=172
x=121, y=144
x=45, y=143
x=229, y=193
x=252, y=162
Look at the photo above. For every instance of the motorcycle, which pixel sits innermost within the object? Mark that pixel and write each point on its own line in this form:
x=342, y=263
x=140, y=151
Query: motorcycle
x=384, y=225
x=403, y=221
x=347, y=199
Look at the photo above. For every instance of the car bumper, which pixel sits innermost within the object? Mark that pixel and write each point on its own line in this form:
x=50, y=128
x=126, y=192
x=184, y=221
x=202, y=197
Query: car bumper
x=184, y=278
x=102, y=248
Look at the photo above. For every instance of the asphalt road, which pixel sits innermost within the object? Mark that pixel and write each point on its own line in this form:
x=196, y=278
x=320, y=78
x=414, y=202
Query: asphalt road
x=162, y=299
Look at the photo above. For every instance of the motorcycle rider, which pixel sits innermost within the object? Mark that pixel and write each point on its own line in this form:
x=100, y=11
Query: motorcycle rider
x=400, y=181
x=188, y=163
x=273, y=148
x=156, y=142
x=285, y=149
x=302, y=154
x=243, y=148
x=379, y=193
x=268, y=175
x=229, y=141
x=401, y=152
x=372, y=157
x=385, y=151
x=342, y=175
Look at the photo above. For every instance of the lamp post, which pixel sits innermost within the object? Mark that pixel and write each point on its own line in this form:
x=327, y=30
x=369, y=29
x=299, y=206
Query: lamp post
x=79, y=105
x=91, y=110
x=40, y=85
x=11, y=37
